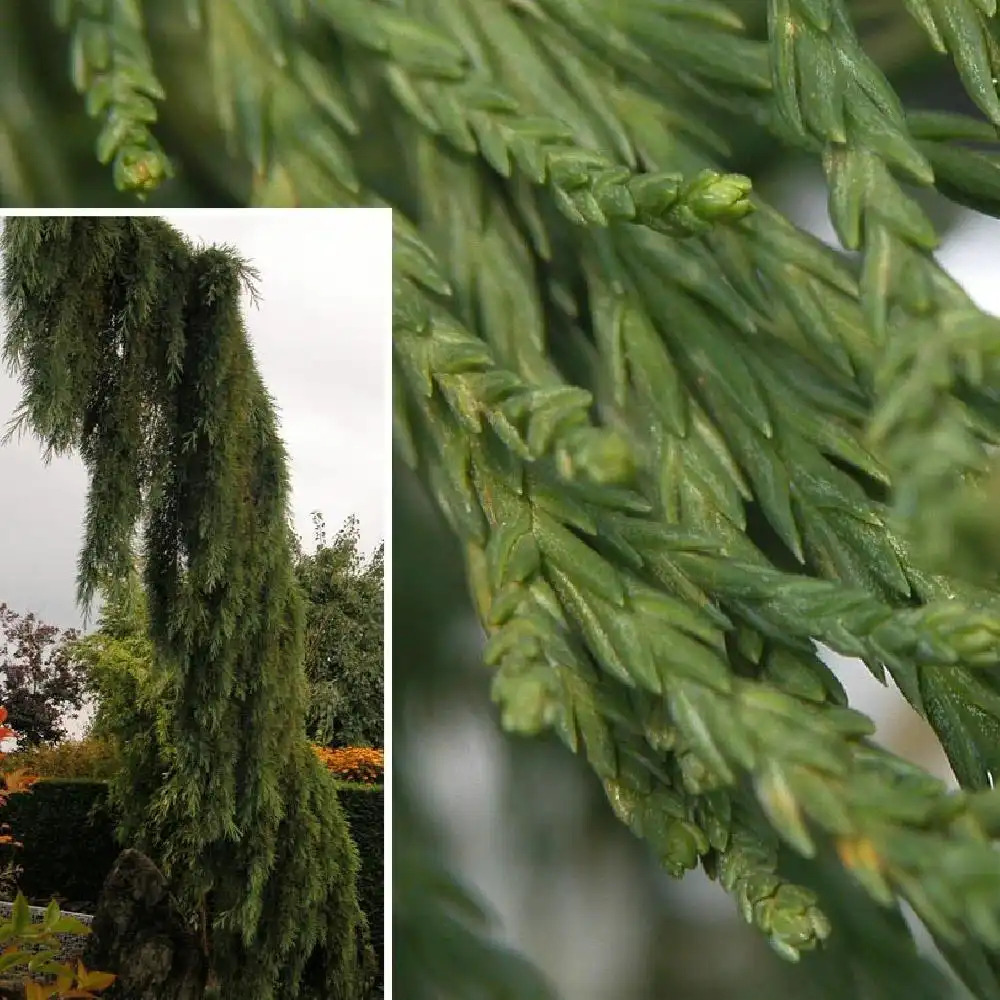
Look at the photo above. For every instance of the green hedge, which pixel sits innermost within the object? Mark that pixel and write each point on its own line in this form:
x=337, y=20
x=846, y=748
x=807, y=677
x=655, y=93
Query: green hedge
x=364, y=807
x=67, y=829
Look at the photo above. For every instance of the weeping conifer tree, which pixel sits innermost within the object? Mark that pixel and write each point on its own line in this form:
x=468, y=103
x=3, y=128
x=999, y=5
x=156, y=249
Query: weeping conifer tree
x=131, y=347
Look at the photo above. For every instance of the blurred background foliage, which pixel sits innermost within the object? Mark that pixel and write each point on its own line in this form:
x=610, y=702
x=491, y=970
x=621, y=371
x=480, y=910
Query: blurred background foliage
x=522, y=821
x=47, y=141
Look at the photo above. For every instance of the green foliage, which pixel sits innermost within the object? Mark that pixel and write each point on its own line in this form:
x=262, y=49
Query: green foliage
x=93, y=757
x=677, y=439
x=130, y=346
x=290, y=88
x=345, y=595
x=74, y=868
x=31, y=956
x=133, y=706
x=669, y=468
x=364, y=807
x=66, y=826
x=112, y=68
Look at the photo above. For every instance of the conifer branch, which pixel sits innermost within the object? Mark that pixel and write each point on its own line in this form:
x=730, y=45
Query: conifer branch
x=792, y=486
x=434, y=352
x=434, y=81
x=590, y=650
x=827, y=88
x=684, y=829
x=767, y=259
x=785, y=478
x=787, y=913
x=113, y=68
x=804, y=757
x=828, y=91
x=961, y=28
x=290, y=116
x=968, y=176
x=850, y=621
x=270, y=111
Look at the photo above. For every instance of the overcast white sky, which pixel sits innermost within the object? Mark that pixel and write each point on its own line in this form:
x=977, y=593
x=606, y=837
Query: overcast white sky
x=321, y=335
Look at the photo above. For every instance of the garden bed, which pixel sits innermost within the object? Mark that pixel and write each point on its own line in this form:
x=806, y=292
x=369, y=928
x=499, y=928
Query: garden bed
x=72, y=944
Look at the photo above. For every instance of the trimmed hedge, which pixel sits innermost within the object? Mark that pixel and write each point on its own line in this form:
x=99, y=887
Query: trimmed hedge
x=364, y=807
x=67, y=830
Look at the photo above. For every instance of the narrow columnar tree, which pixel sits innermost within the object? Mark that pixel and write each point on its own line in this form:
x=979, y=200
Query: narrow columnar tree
x=131, y=348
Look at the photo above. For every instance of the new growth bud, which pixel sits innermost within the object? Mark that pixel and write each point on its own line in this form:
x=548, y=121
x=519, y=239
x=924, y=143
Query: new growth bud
x=713, y=196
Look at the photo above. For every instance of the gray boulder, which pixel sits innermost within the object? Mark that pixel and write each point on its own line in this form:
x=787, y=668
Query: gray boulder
x=140, y=934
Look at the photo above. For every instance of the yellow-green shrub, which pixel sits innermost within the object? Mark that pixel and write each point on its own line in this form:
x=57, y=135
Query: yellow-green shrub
x=88, y=758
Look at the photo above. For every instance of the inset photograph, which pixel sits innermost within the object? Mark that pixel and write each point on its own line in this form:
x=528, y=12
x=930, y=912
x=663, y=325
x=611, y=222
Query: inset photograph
x=192, y=682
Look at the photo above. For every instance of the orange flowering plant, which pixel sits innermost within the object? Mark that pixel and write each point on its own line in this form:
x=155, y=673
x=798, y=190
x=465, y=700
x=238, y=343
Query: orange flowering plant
x=364, y=765
x=44, y=977
x=12, y=781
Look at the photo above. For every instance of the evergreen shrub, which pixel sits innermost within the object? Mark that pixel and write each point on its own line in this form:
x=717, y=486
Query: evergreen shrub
x=92, y=757
x=67, y=832
x=364, y=808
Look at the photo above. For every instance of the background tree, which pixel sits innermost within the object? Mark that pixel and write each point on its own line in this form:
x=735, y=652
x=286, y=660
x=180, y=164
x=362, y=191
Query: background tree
x=344, y=661
x=40, y=680
x=131, y=347
x=133, y=706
